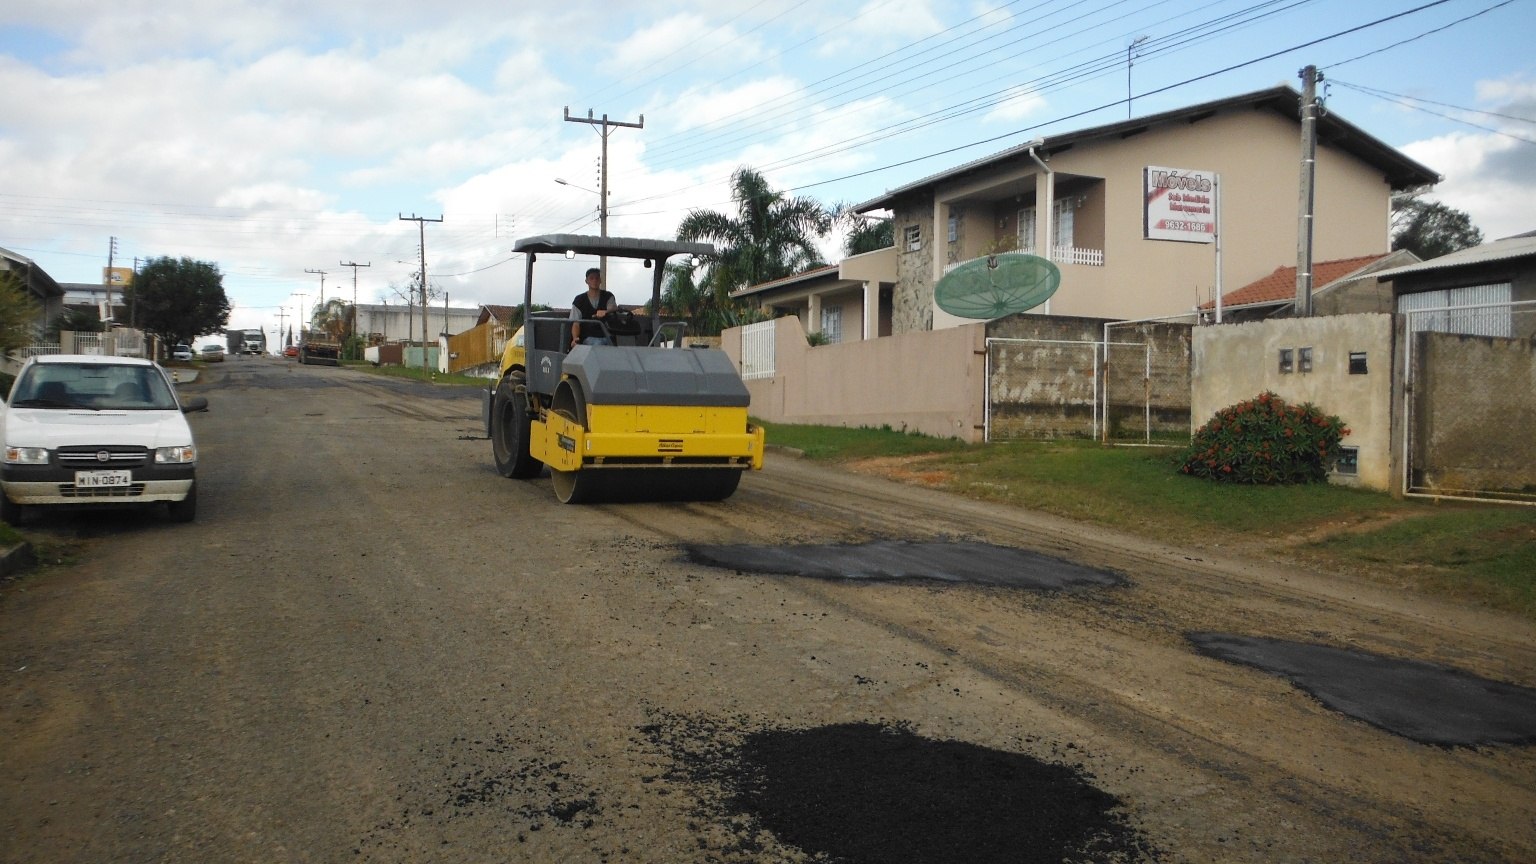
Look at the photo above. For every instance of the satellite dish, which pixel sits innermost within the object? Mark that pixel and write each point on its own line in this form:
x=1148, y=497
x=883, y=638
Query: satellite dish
x=997, y=285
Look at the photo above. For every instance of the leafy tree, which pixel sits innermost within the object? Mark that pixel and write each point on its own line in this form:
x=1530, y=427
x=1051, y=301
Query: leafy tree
x=864, y=234
x=770, y=237
x=1430, y=229
x=75, y=320
x=331, y=318
x=18, y=314
x=179, y=300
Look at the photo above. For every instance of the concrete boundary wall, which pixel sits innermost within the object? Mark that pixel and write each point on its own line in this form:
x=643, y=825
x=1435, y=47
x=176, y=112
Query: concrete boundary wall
x=930, y=382
x=1234, y=363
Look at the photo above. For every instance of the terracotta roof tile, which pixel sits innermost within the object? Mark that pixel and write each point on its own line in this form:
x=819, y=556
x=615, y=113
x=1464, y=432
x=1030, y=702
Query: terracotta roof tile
x=1280, y=285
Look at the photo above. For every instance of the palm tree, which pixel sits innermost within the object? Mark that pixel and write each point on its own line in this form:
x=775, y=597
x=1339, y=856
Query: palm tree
x=770, y=237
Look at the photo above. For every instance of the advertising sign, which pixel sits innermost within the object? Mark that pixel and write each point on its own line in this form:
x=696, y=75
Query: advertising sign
x=117, y=277
x=1179, y=204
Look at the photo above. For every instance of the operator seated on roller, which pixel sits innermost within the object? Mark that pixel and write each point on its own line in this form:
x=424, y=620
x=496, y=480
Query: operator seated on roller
x=594, y=304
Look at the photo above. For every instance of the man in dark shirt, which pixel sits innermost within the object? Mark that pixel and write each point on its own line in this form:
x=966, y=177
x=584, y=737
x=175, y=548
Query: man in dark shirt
x=592, y=304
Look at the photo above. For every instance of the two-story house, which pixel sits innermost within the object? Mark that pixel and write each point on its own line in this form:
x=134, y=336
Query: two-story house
x=1098, y=185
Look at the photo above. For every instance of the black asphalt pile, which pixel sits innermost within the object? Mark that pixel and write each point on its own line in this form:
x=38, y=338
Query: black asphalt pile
x=1423, y=702
x=865, y=792
x=888, y=560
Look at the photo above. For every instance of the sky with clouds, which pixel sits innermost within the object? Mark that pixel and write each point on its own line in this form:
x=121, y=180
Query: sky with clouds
x=279, y=137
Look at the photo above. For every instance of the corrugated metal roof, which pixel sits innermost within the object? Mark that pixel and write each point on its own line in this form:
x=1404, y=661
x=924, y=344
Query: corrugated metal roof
x=1519, y=246
x=1401, y=171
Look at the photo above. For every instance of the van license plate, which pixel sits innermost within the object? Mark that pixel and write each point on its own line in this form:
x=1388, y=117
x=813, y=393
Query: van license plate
x=102, y=479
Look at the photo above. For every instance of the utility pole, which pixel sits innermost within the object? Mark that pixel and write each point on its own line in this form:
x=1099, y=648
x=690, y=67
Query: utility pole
x=322, y=283
x=602, y=195
x=1128, y=49
x=352, y=326
x=421, y=223
x=1309, y=109
x=282, y=316
x=106, y=319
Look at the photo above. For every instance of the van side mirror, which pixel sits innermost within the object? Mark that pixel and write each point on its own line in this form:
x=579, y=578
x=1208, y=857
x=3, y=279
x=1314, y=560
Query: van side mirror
x=196, y=403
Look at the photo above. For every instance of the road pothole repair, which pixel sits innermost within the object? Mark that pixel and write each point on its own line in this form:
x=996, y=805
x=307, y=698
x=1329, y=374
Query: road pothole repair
x=898, y=560
x=1420, y=701
x=868, y=792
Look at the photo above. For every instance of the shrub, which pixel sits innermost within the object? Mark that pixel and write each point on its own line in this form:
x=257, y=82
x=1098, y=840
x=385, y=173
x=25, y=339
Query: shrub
x=1264, y=440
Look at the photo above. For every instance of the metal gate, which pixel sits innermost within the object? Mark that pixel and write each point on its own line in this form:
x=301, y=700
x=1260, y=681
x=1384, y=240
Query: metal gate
x=1469, y=401
x=1040, y=388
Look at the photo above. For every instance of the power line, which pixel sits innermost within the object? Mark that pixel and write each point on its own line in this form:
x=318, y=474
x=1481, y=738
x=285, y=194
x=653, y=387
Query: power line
x=1406, y=104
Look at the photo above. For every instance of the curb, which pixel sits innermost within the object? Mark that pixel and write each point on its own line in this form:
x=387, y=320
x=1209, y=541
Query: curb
x=17, y=559
x=780, y=449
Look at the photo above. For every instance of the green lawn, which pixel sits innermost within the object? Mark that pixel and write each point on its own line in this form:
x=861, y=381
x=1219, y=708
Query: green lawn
x=1483, y=553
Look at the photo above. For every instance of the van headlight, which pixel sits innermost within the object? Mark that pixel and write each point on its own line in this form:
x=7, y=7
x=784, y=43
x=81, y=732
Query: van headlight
x=175, y=455
x=26, y=455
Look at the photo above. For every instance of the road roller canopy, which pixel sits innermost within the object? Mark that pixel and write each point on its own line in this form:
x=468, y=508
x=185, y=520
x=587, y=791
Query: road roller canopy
x=613, y=247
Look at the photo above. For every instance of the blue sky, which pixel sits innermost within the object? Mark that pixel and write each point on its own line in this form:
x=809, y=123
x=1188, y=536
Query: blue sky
x=278, y=137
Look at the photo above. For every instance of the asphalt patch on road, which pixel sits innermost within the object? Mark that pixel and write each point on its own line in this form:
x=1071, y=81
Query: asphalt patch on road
x=1423, y=702
x=878, y=792
x=899, y=560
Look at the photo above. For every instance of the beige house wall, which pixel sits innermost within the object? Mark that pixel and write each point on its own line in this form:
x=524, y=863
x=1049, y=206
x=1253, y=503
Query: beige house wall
x=1256, y=154
x=931, y=383
x=1236, y=362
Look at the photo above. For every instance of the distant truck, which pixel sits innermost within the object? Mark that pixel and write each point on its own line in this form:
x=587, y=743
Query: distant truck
x=247, y=341
x=319, y=348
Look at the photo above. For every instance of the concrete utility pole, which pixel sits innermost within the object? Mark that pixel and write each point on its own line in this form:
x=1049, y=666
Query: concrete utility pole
x=1309, y=108
x=421, y=223
x=111, y=253
x=322, y=284
x=352, y=325
x=602, y=195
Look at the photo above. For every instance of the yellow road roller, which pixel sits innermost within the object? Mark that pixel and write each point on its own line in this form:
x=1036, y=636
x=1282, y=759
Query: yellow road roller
x=646, y=417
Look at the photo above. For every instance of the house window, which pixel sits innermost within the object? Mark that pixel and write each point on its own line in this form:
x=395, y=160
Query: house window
x=1304, y=360
x=832, y=324
x=1357, y=363
x=1287, y=361
x=954, y=228
x=1063, y=220
x=913, y=234
x=1349, y=461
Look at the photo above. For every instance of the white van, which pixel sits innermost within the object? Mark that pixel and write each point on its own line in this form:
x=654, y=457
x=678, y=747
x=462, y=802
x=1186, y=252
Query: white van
x=87, y=429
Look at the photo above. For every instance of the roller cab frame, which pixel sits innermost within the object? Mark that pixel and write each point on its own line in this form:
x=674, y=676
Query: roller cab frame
x=647, y=418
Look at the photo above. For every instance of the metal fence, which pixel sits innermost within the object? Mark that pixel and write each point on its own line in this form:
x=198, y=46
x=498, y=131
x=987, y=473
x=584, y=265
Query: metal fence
x=1469, y=401
x=757, y=350
x=1130, y=388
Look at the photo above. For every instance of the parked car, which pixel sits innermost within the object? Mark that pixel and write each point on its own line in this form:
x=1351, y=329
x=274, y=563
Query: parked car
x=213, y=353
x=291, y=351
x=181, y=352
x=86, y=429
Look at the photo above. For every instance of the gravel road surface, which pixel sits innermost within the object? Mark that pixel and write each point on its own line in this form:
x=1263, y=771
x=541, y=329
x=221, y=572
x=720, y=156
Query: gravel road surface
x=371, y=647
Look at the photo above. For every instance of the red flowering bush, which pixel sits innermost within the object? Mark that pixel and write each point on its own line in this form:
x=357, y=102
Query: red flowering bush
x=1264, y=440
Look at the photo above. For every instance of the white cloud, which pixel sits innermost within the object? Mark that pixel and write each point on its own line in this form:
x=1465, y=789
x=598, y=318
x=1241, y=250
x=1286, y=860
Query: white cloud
x=1018, y=104
x=1491, y=176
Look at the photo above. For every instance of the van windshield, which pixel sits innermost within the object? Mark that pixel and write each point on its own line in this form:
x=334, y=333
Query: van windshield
x=94, y=386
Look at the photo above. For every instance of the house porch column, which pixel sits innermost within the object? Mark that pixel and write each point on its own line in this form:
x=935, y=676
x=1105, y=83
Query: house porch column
x=871, y=310
x=814, y=314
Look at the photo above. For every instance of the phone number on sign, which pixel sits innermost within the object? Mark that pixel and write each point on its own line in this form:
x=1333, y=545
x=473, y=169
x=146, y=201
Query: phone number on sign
x=1176, y=225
